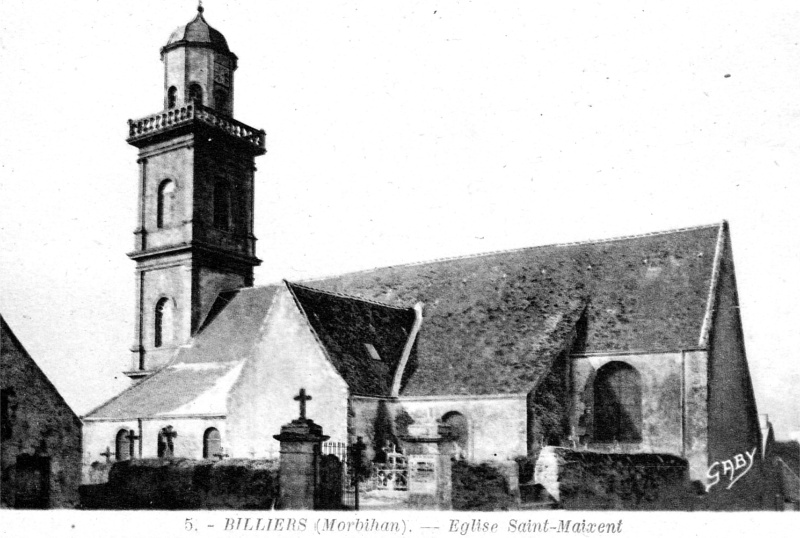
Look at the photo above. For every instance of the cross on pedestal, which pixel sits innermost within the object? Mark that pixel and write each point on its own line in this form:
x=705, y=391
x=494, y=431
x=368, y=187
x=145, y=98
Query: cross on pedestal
x=302, y=398
x=221, y=454
x=108, y=454
x=132, y=437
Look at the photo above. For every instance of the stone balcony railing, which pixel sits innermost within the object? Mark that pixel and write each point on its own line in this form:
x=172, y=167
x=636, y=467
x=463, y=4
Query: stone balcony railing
x=174, y=117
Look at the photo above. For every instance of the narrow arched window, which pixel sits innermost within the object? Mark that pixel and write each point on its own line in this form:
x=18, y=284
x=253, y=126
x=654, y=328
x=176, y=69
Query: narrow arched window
x=122, y=446
x=163, y=322
x=457, y=433
x=212, y=443
x=172, y=95
x=195, y=93
x=222, y=205
x=220, y=99
x=617, y=403
x=165, y=206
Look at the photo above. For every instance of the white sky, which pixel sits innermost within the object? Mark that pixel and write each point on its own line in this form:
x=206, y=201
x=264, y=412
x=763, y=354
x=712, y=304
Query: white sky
x=403, y=131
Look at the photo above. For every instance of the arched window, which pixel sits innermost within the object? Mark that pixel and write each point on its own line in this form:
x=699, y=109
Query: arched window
x=163, y=322
x=165, y=206
x=195, y=93
x=220, y=99
x=122, y=446
x=172, y=95
x=458, y=433
x=166, y=443
x=617, y=403
x=222, y=205
x=212, y=443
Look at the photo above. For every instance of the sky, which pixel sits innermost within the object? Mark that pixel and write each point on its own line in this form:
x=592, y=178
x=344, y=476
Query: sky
x=401, y=131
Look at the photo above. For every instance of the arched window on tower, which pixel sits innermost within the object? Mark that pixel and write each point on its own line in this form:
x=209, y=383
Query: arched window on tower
x=163, y=324
x=122, y=446
x=617, y=404
x=172, y=97
x=457, y=433
x=195, y=93
x=220, y=99
x=212, y=443
x=165, y=206
x=222, y=205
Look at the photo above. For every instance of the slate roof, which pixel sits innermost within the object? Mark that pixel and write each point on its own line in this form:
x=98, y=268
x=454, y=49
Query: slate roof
x=493, y=322
x=198, y=379
x=344, y=325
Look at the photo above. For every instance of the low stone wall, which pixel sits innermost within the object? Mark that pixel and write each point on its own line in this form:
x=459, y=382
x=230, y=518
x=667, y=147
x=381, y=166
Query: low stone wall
x=622, y=481
x=180, y=484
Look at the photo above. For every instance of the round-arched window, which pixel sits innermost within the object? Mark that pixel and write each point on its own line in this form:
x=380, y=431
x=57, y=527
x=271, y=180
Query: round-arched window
x=172, y=96
x=457, y=432
x=212, y=443
x=617, y=403
x=195, y=93
x=165, y=205
x=122, y=446
x=163, y=323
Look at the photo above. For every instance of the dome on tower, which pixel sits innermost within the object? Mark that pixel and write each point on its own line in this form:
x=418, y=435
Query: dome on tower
x=197, y=32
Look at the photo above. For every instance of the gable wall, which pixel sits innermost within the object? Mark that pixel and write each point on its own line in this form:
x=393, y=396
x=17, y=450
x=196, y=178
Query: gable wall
x=733, y=419
x=287, y=358
x=41, y=424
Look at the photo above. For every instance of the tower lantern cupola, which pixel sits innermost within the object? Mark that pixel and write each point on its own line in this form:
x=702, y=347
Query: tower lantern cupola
x=198, y=67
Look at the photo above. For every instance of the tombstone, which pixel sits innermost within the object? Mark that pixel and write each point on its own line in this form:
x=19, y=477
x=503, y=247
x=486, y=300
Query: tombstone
x=429, y=477
x=301, y=452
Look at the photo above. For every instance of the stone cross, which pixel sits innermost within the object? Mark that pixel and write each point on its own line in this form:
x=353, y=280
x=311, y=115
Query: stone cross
x=221, y=454
x=132, y=437
x=108, y=454
x=302, y=398
x=169, y=434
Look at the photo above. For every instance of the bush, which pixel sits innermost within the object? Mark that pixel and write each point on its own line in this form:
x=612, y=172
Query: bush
x=480, y=487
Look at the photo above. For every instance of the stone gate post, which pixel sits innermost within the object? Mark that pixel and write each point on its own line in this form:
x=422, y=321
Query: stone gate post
x=301, y=449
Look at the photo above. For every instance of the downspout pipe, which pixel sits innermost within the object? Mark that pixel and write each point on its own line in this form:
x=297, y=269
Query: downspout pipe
x=412, y=337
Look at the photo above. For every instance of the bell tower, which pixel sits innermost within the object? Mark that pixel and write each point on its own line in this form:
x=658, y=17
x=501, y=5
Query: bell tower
x=195, y=205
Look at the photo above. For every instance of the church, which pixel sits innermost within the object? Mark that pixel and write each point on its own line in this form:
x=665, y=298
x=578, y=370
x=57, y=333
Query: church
x=627, y=345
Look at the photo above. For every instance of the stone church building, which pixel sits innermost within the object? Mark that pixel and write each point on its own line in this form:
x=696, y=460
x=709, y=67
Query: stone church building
x=40, y=435
x=630, y=344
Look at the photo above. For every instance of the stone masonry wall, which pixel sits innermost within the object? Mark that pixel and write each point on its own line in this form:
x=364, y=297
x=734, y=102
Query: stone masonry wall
x=38, y=423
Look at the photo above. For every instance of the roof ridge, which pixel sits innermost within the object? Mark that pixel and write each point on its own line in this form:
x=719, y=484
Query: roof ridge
x=519, y=249
x=347, y=296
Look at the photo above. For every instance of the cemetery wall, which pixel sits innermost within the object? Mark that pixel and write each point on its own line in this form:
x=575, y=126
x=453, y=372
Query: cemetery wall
x=180, y=484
